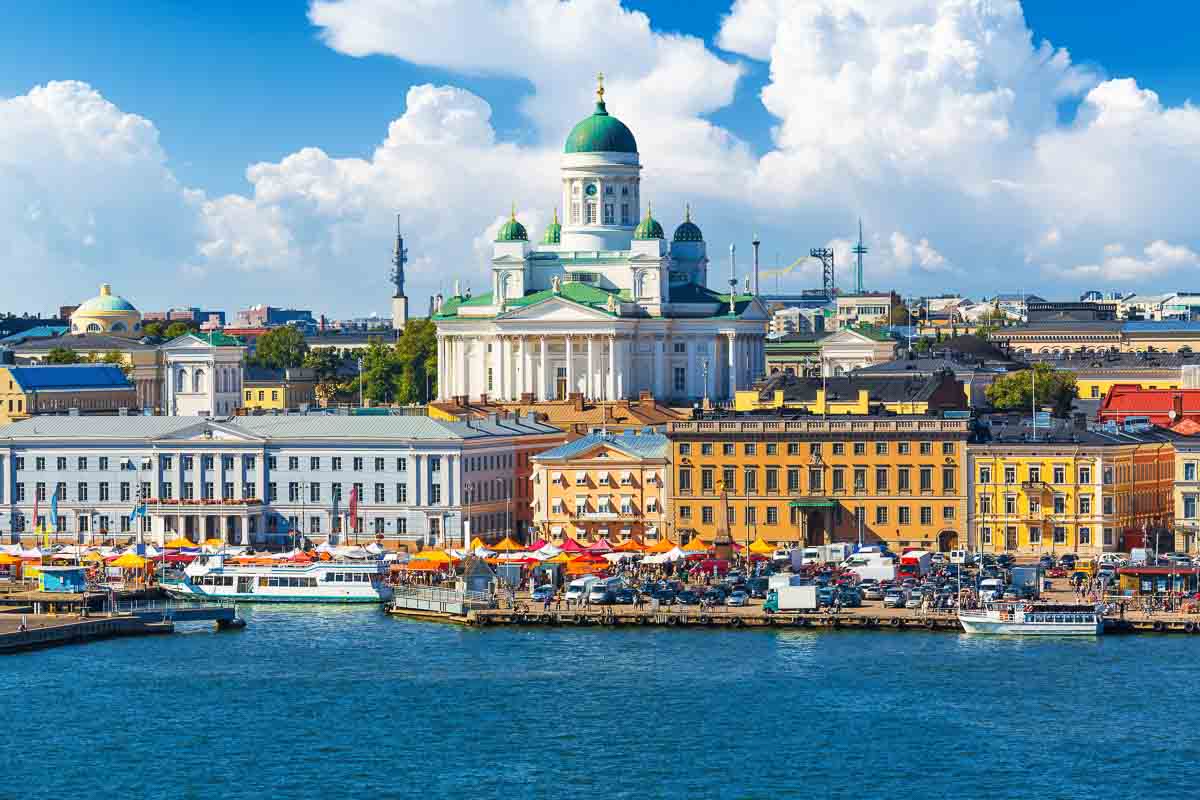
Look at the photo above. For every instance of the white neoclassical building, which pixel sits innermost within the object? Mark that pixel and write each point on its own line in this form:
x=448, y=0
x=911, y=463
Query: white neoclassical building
x=604, y=306
x=203, y=375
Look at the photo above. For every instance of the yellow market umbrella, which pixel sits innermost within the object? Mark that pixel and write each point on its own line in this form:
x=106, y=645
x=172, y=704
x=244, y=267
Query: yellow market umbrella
x=477, y=543
x=561, y=558
x=5, y=558
x=761, y=548
x=129, y=561
x=507, y=545
x=433, y=557
x=95, y=555
x=213, y=543
x=696, y=546
x=179, y=542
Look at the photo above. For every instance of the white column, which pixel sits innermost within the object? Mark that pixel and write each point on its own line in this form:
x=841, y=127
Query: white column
x=693, y=379
x=610, y=386
x=494, y=390
x=733, y=343
x=524, y=361
x=443, y=355
x=460, y=381
x=589, y=384
x=570, y=364
x=660, y=368
x=626, y=378
x=239, y=472
x=710, y=378
x=544, y=381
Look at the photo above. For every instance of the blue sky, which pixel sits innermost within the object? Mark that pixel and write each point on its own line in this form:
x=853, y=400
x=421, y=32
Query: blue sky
x=236, y=84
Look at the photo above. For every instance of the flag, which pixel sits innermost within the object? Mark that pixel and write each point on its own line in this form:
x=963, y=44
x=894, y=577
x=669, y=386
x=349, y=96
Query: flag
x=335, y=516
x=54, y=511
x=354, y=508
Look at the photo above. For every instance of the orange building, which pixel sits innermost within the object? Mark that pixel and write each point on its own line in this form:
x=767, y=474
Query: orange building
x=894, y=479
x=602, y=486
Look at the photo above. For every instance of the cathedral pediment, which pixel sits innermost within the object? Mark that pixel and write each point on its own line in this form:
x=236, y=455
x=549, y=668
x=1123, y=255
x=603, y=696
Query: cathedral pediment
x=555, y=309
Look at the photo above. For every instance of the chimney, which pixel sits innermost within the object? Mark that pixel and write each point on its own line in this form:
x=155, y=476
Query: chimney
x=526, y=397
x=1080, y=420
x=1177, y=406
x=577, y=400
x=646, y=396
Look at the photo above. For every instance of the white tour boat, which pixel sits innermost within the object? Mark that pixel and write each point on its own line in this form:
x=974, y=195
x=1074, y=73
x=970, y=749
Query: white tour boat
x=1033, y=619
x=210, y=578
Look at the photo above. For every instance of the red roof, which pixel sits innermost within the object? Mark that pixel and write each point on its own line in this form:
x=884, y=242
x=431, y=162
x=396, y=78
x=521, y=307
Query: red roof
x=1131, y=400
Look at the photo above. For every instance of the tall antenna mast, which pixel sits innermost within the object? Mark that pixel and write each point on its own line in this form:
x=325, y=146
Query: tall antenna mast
x=732, y=279
x=399, y=259
x=859, y=250
x=755, y=243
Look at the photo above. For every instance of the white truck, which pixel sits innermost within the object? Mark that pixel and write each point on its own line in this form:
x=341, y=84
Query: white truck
x=826, y=553
x=792, y=598
x=871, y=565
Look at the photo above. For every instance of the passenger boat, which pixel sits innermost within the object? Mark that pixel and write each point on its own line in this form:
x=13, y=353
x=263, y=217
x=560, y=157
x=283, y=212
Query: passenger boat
x=1033, y=619
x=210, y=578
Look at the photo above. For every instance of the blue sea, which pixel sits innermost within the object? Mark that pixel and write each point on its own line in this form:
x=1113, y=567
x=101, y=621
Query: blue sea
x=348, y=703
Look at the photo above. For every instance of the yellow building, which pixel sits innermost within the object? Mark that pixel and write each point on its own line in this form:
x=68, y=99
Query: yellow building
x=1186, y=491
x=278, y=389
x=107, y=313
x=894, y=479
x=602, y=486
x=855, y=395
x=62, y=389
x=1070, y=491
x=1096, y=373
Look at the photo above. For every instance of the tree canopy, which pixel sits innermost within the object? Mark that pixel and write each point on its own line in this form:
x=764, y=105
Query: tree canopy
x=1055, y=387
x=405, y=372
x=62, y=355
x=280, y=348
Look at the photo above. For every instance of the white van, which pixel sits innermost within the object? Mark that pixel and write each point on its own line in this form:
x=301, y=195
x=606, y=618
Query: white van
x=578, y=588
x=1140, y=555
x=603, y=586
x=991, y=589
x=962, y=557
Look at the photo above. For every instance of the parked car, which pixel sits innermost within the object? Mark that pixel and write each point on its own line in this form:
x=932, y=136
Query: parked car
x=715, y=596
x=874, y=592
x=895, y=598
x=758, y=588
x=688, y=598
x=665, y=597
x=542, y=593
x=851, y=598
x=623, y=597
x=738, y=599
x=937, y=558
x=1067, y=561
x=914, y=600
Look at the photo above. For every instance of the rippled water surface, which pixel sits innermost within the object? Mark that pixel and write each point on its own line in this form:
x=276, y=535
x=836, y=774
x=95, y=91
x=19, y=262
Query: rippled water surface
x=348, y=703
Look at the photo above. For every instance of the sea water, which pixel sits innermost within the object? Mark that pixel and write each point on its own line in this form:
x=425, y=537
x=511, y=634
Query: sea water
x=320, y=702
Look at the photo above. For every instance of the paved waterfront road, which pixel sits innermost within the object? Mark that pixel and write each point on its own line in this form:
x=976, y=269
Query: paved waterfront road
x=347, y=703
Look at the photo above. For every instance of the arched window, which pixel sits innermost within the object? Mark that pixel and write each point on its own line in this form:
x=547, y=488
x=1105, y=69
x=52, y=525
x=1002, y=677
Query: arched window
x=119, y=327
x=220, y=380
x=198, y=381
x=93, y=327
x=505, y=286
x=181, y=380
x=639, y=284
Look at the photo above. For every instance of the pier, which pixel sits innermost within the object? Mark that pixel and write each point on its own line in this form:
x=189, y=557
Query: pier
x=33, y=631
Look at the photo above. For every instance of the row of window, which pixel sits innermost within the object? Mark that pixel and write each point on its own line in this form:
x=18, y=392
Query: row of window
x=1034, y=534
x=1058, y=473
x=103, y=523
x=750, y=484
x=604, y=505
x=816, y=448
x=250, y=462
x=296, y=493
x=1110, y=504
x=379, y=525
x=881, y=516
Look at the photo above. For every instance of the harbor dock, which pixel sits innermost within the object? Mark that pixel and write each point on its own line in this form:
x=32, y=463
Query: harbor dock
x=32, y=631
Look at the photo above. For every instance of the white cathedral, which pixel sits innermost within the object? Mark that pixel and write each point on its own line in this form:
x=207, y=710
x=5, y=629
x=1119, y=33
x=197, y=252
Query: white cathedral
x=605, y=305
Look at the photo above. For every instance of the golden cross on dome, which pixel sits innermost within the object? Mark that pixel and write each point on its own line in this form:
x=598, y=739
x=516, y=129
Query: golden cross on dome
x=600, y=86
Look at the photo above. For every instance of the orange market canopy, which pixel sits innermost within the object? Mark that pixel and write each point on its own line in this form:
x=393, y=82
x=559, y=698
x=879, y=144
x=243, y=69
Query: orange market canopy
x=663, y=545
x=630, y=546
x=696, y=546
x=506, y=545
x=439, y=557
x=129, y=561
x=5, y=558
x=179, y=542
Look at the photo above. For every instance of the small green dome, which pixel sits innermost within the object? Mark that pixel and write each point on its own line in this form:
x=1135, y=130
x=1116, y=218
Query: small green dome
x=688, y=231
x=512, y=231
x=648, y=228
x=553, y=231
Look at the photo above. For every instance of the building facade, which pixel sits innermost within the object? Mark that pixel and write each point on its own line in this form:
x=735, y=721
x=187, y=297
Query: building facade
x=610, y=486
x=1073, y=491
x=605, y=305
x=278, y=389
x=203, y=375
x=870, y=308
x=264, y=480
x=894, y=479
x=856, y=395
x=62, y=389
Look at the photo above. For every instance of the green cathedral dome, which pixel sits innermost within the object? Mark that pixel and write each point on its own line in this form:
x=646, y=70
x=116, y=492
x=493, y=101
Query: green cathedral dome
x=688, y=231
x=512, y=231
x=553, y=231
x=648, y=228
x=601, y=132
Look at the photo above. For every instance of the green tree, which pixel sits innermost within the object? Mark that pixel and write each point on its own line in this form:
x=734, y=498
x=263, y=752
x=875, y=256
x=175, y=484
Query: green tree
x=177, y=329
x=62, y=355
x=117, y=358
x=1055, y=387
x=381, y=371
x=417, y=351
x=280, y=348
x=153, y=329
x=325, y=362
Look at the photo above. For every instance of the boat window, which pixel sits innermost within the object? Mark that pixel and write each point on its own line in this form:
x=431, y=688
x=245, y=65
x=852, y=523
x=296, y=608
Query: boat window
x=262, y=581
x=340, y=577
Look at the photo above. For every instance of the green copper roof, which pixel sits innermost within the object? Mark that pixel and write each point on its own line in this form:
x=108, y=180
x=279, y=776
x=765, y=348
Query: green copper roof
x=688, y=231
x=648, y=228
x=512, y=231
x=218, y=339
x=553, y=231
x=106, y=301
x=600, y=133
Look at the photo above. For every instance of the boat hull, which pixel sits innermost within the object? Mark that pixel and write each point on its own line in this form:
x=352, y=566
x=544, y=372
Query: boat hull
x=204, y=597
x=1001, y=628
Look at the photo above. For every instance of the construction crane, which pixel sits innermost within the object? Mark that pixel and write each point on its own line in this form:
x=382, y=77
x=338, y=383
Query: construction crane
x=824, y=255
x=779, y=273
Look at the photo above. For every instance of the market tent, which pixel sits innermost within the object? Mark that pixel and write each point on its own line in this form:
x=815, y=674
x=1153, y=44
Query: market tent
x=95, y=555
x=432, y=557
x=561, y=558
x=507, y=545
x=630, y=546
x=569, y=545
x=129, y=561
x=589, y=558
x=179, y=558
x=602, y=546
x=663, y=545
x=179, y=542
x=211, y=543
x=538, y=545
x=421, y=565
x=7, y=559
x=696, y=546
x=477, y=543
x=759, y=547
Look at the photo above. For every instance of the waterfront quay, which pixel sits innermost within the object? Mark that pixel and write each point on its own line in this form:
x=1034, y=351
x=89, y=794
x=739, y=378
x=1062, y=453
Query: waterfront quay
x=22, y=630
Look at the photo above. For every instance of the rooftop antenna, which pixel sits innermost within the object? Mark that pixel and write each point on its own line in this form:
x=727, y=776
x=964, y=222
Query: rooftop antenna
x=732, y=278
x=859, y=250
x=755, y=243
